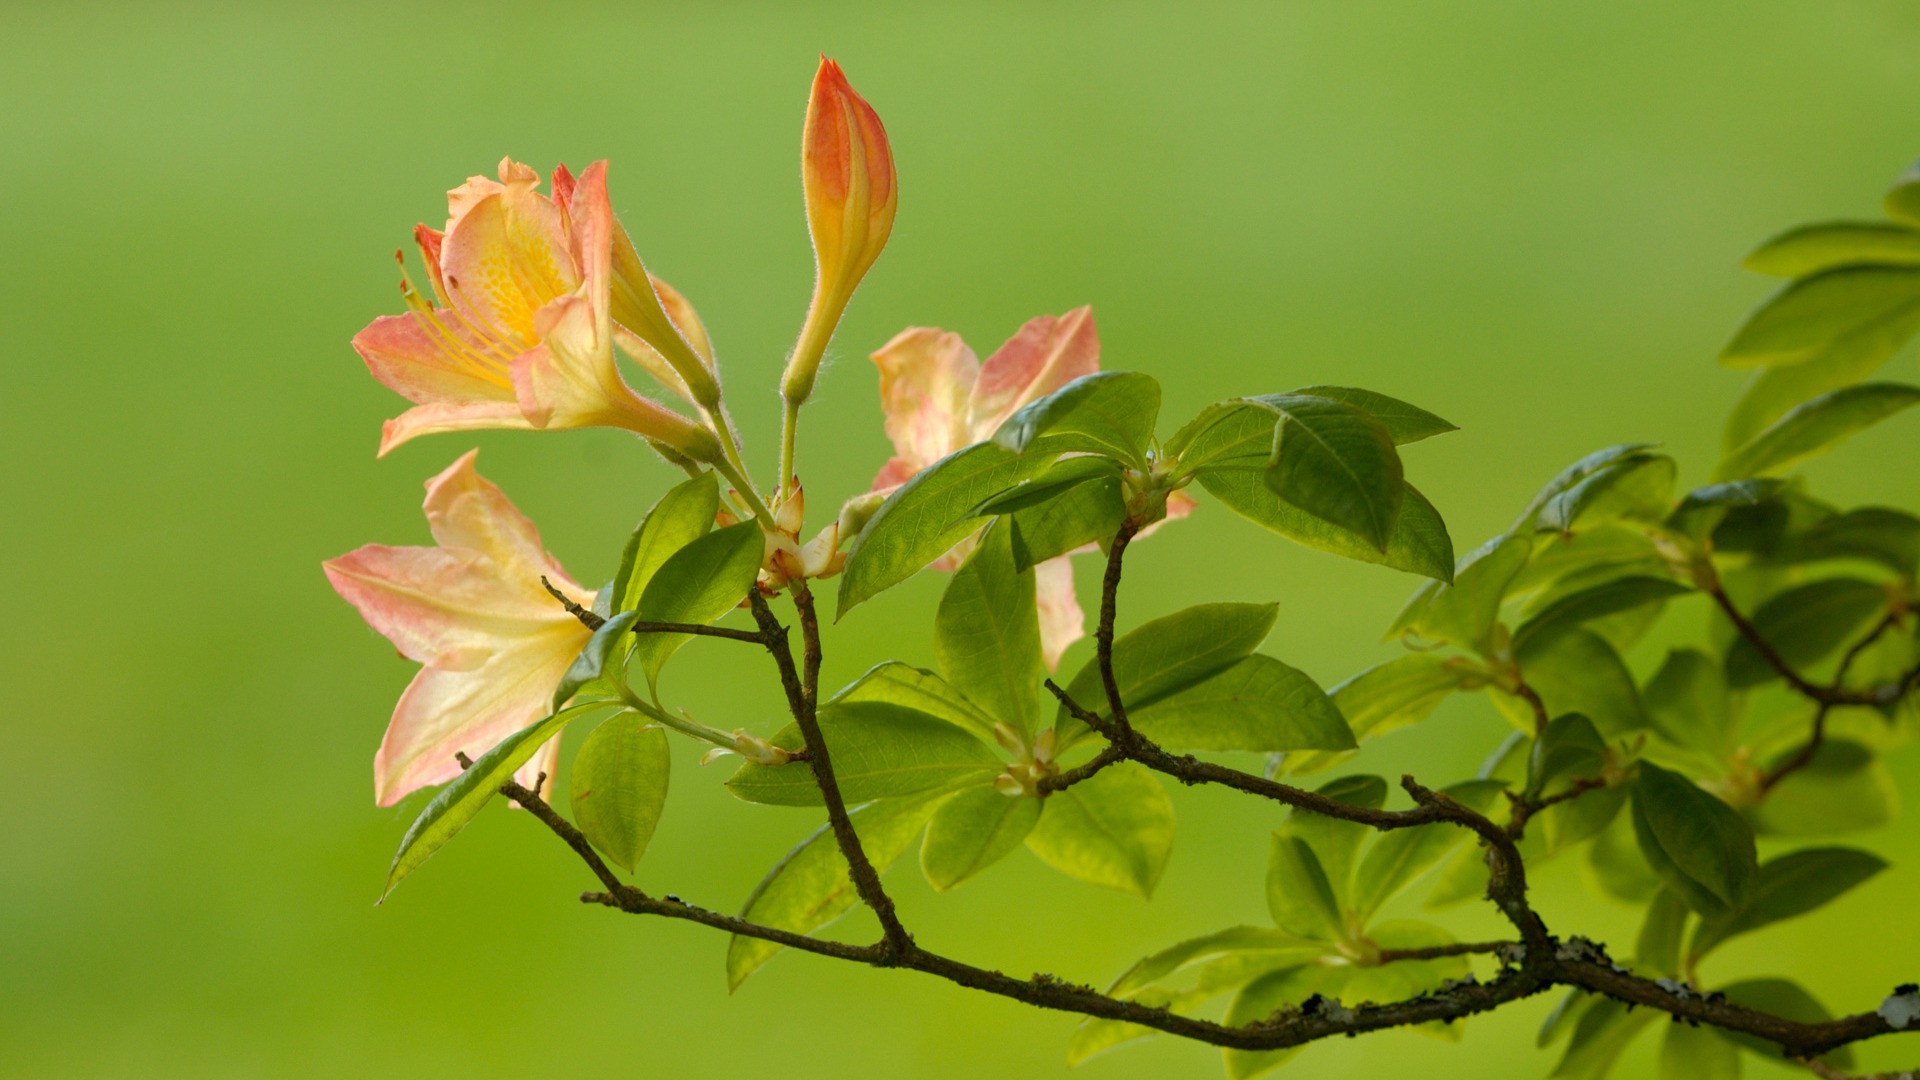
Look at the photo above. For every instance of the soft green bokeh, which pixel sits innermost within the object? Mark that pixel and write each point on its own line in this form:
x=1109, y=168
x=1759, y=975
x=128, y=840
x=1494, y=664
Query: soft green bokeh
x=1523, y=216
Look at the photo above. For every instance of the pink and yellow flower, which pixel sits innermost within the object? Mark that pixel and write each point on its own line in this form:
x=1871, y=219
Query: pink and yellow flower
x=939, y=397
x=493, y=643
x=521, y=327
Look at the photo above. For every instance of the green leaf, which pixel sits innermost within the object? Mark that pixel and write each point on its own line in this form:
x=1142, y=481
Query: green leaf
x=1703, y=508
x=1258, y=703
x=1233, y=434
x=1115, y=829
x=1336, y=463
x=1064, y=475
x=1785, y=998
x=619, y=787
x=1699, y=846
x=697, y=584
x=1847, y=308
x=1813, y=428
x=1404, y=423
x=1691, y=1053
x=1109, y=413
x=812, y=885
x=973, y=830
x=1657, y=951
x=986, y=634
x=1902, y=202
x=880, y=750
x=1604, y=1031
x=1090, y=513
x=1399, y=693
x=1617, y=866
x=896, y=683
x=1809, y=249
x=1167, y=655
x=1788, y=886
x=1845, y=788
x=1597, y=602
x=929, y=515
x=682, y=515
x=1463, y=613
x=1578, y=671
x=1268, y=994
x=1094, y=1037
x=1773, y=392
x=1266, y=941
x=1689, y=704
x=1399, y=858
x=1875, y=534
x=456, y=804
x=1635, y=487
x=1335, y=846
x=1577, y=820
x=589, y=670
x=1569, y=749
x=1804, y=624
x=1571, y=476
x=1419, y=544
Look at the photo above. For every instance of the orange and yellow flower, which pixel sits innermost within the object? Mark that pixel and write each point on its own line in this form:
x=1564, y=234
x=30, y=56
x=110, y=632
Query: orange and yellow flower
x=530, y=294
x=492, y=642
x=938, y=397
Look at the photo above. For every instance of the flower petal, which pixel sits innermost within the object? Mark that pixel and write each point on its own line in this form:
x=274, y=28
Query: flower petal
x=1046, y=354
x=1061, y=621
x=506, y=256
x=926, y=375
x=422, y=363
x=447, y=712
x=467, y=511
x=442, y=416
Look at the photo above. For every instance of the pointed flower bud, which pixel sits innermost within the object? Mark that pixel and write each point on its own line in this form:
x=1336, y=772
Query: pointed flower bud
x=851, y=193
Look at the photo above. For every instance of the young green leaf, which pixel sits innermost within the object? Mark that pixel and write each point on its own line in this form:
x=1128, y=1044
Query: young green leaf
x=1875, y=534
x=1404, y=423
x=1278, y=945
x=1065, y=475
x=1335, y=844
x=1267, y=995
x=812, y=886
x=1657, y=950
x=1773, y=392
x=1788, y=886
x=1090, y=513
x=1336, y=463
x=1810, y=249
x=1419, y=544
x=1569, y=749
x=1785, y=998
x=1110, y=413
x=1463, y=613
x=1399, y=858
x=1844, y=308
x=1115, y=829
x=1399, y=693
x=973, y=830
x=682, y=515
x=1235, y=434
x=1845, y=788
x=1258, y=704
x=1813, y=428
x=457, y=803
x=1571, y=476
x=1693, y=1053
x=1609, y=597
x=697, y=584
x=1578, y=671
x=1635, y=487
x=1689, y=704
x=1169, y=654
x=590, y=670
x=1699, y=846
x=1576, y=821
x=896, y=683
x=619, y=787
x=1298, y=892
x=880, y=750
x=1703, y=508
x=1804, y=624
x=986, y=634
x=1095, y=1036
x=929, y=515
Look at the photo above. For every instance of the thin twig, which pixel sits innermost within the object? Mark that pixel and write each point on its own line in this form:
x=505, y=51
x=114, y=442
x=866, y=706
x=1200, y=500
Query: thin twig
x=1805, y=755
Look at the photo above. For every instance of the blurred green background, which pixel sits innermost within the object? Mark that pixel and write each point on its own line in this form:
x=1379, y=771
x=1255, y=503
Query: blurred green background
x=1524, y=216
